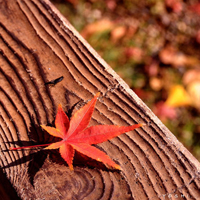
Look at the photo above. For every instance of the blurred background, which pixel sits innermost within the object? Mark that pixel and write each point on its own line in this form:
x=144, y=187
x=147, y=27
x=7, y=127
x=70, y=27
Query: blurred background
x=154, y=45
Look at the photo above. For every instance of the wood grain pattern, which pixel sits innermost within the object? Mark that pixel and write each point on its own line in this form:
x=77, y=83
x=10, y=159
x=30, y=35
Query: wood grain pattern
x=38, y=45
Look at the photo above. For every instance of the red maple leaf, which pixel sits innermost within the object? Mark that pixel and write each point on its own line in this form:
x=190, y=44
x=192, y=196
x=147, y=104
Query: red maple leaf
x=76, y=136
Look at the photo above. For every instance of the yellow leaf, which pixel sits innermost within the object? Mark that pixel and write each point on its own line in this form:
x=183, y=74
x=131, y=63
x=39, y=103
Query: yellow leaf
x=194, y=91
x=178, y=96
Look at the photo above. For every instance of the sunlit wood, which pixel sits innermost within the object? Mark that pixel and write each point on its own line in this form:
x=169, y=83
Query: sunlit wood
x=37, y=47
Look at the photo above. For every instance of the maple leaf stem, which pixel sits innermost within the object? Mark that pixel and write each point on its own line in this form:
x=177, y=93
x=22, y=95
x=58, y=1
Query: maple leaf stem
x=27, y=147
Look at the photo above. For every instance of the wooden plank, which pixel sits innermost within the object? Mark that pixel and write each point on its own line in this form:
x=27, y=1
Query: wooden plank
x=38, y=45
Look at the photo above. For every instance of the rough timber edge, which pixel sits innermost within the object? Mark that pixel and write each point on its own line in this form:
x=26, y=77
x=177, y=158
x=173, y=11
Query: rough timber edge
x=172, y=140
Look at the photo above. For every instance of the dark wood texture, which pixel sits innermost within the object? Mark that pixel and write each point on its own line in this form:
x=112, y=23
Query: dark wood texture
x=38, y=45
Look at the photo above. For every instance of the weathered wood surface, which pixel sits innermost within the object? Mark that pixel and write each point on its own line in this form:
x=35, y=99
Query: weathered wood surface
x=38, y=45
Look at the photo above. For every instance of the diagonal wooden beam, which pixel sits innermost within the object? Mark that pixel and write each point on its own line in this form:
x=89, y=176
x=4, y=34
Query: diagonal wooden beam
x=37, y=47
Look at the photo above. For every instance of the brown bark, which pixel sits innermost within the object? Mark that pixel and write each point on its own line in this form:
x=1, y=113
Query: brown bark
x=38, y=45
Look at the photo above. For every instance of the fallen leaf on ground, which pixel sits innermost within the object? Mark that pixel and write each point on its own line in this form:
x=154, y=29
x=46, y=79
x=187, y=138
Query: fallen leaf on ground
x=178, y=96
x=175, y=5
x=194, y=91
x=164, y=112
x=170, y=55
x=118, y=33
x=96, y=27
